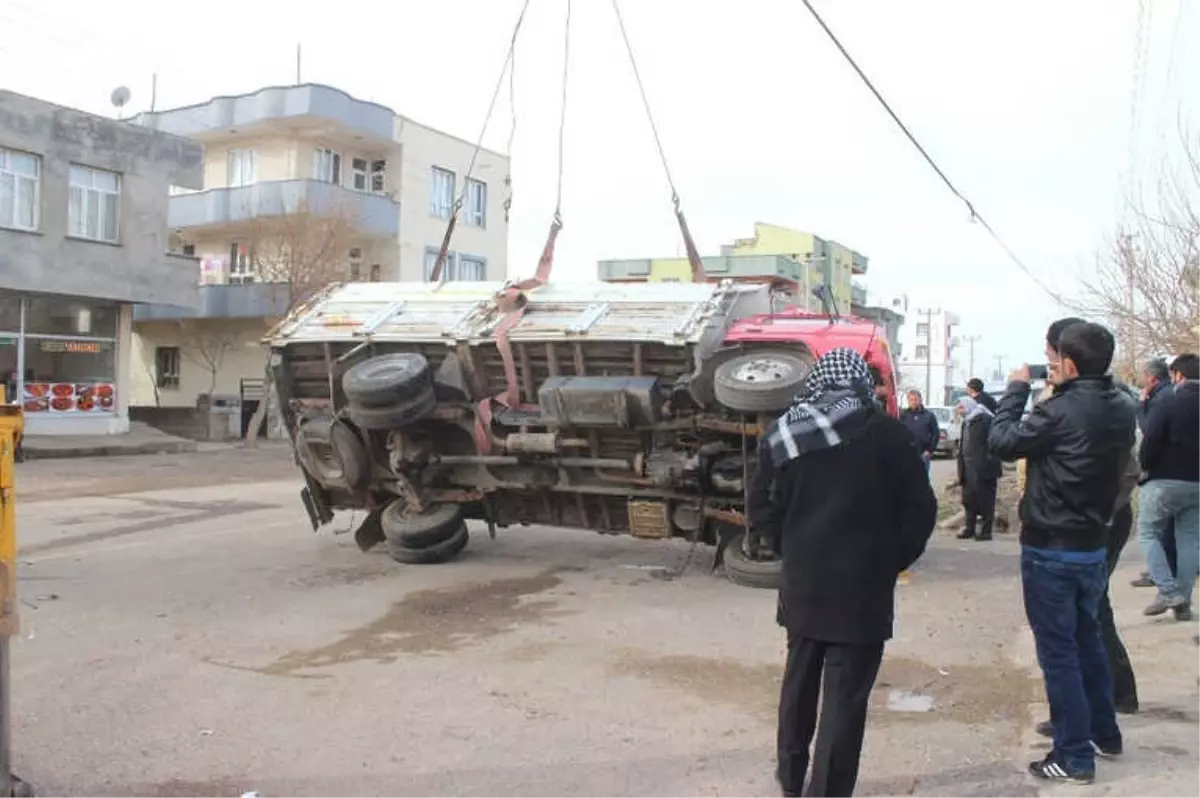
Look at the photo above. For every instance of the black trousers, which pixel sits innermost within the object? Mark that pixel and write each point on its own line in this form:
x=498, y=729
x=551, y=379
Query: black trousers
x=979, y=504
x=848, y=674
x=1124, y=684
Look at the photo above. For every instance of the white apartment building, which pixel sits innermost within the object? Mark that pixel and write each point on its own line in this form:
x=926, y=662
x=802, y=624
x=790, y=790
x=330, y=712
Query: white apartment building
x=292, y=152
x=929, y=341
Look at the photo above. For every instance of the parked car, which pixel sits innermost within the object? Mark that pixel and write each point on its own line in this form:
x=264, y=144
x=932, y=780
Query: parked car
x=951, y=431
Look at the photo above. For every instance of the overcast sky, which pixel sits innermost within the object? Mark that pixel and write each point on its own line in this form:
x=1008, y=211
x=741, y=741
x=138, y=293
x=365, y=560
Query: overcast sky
x=1026, y=105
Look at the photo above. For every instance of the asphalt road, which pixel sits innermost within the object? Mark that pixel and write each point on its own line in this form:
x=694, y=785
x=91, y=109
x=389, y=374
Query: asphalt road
x=202, y=641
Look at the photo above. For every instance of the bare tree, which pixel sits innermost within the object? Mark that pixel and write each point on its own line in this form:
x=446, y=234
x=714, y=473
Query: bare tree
x=1147, y=285
x=298, y=252
x=207, y=345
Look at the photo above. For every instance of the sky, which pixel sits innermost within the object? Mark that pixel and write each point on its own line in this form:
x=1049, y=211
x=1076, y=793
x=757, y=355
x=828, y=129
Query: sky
x=1027, y=105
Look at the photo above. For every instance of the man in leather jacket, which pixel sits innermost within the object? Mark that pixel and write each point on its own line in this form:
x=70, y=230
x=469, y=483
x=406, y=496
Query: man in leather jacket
x=1077, y=445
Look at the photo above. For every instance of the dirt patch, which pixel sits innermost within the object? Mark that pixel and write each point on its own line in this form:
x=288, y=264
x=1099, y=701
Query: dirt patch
x=179, y=788
x=534, y=651
x=971, y=694
x=428, y=622
x=342, y=575
x=1174, y=714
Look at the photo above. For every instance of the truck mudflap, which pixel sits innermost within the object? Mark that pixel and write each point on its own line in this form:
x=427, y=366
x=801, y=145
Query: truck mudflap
x=319, y=512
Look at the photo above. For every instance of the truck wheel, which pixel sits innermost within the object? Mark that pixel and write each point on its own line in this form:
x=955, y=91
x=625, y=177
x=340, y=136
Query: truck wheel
x=400, y=414
x=387, y=380
x=332, y=453
x=762, y=382
x=438, y=552
x=746, y=572
x=420, y=531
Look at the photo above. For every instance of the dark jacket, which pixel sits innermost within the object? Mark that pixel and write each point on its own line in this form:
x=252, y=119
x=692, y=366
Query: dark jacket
x=923, y=426
x=1076, y=445
x=846, y=521
x=1157, y=394
x=976, y=463
x=1171, y=437
x=987, y=400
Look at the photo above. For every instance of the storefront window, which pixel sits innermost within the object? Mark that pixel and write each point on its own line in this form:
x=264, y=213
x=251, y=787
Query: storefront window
x=64, y=359
x=44, y=316
x=10, y=314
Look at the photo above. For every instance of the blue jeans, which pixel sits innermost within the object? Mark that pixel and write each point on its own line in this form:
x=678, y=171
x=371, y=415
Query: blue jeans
x=1161, y=501
x=1062, y=597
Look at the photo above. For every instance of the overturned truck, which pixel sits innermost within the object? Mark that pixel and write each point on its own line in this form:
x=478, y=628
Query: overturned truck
x=623, y=409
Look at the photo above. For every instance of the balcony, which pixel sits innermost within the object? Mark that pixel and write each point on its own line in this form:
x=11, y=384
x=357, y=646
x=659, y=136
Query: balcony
x=371, y=214
x=311, y=106
x=252, y=301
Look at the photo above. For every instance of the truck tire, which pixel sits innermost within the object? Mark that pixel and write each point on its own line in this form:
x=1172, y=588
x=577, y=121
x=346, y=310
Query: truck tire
x=439, y=552
x=387, y=379
x=760, y=382
x=741, y=570
x=420, y=531
x=401, y=414
x=332, y=453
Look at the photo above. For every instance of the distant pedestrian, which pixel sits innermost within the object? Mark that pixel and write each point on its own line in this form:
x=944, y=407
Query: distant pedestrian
x=923, y=426
x=840, y=490
x=976, y=392
x=1170, y=459
x=1157, y=386
x=1077, y=444
x=978, y=470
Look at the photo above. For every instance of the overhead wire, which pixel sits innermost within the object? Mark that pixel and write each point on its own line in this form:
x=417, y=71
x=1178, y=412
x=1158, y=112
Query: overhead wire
x=975, y=215
x=637, y=74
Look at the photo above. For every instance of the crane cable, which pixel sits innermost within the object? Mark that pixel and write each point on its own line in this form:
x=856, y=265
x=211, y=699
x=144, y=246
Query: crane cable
x=693, y=254
x=975, y=215
x=437, y=276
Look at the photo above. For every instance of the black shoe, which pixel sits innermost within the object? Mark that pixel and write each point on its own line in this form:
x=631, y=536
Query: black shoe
x=1184, y=613
x=1046, y=729
x=966, y=534
x=1128, y=706
x=1109, y=751
x=1143, y=581
x=982, y=536
x=1162, y=603
x=1051, y=769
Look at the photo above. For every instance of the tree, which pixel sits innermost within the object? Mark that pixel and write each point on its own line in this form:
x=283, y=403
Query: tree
x=1147, y=285
x=206, y=345
x=298, y=252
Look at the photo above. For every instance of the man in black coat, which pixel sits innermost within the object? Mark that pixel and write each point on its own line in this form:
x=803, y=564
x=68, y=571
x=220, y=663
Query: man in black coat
x=1076, y=445
x=841, y=490
x=1157, y=386
x=978, y=470
x=923, y=426
x=976, y=392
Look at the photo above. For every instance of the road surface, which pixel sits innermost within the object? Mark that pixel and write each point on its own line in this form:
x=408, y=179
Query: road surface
x=202, y=641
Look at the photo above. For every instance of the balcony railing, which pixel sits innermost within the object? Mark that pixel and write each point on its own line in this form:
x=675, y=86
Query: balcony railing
x=230, y=301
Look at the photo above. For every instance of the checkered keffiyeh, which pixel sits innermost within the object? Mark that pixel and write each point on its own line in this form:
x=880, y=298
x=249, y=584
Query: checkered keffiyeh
x=840, y=385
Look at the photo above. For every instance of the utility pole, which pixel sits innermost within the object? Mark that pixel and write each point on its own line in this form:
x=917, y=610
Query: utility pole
x=298, y=81
x=971, y=339
x=999, y=367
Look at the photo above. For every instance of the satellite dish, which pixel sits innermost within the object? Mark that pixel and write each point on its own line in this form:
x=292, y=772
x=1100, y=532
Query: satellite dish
x=120, y=97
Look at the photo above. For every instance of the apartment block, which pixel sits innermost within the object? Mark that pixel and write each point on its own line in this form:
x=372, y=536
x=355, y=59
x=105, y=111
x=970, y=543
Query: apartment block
x=929, y=339
x=83, y=237
x=370, y=191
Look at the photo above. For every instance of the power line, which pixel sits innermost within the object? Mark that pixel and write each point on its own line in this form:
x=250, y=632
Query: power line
x=975, y=215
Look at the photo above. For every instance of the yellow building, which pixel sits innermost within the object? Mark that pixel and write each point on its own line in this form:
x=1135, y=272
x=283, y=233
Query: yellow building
x=835, y=263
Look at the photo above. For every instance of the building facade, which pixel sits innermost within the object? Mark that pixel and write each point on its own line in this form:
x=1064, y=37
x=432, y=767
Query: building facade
x=367, y=192
x=797, y=263
x=83, y=238
x=929, y=340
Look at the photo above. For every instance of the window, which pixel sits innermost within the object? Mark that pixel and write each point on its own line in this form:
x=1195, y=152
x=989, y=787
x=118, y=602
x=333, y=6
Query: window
x=476, y=203
x=19, y=189
x=922, y=352
x=469, y=268
x=242, y=168
x=358, y=166
x=378, y=172
x=327, y=166
x=93, y=207
x=355, y=264
x=375, y=272
x=67, y=356
x=166, y=366
x=441, y=195
x=922, y=328
x=447, y=267
x=241, y=264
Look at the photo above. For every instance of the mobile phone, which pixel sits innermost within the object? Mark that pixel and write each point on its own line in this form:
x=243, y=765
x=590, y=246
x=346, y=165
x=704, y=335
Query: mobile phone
x=1039, y=372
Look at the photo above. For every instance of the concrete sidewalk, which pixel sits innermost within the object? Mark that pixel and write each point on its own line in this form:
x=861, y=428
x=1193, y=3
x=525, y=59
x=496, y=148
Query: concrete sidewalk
x=141, y=439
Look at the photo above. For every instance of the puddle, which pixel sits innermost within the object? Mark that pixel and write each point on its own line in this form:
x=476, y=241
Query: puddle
x=908, y=701
x=427, y=621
